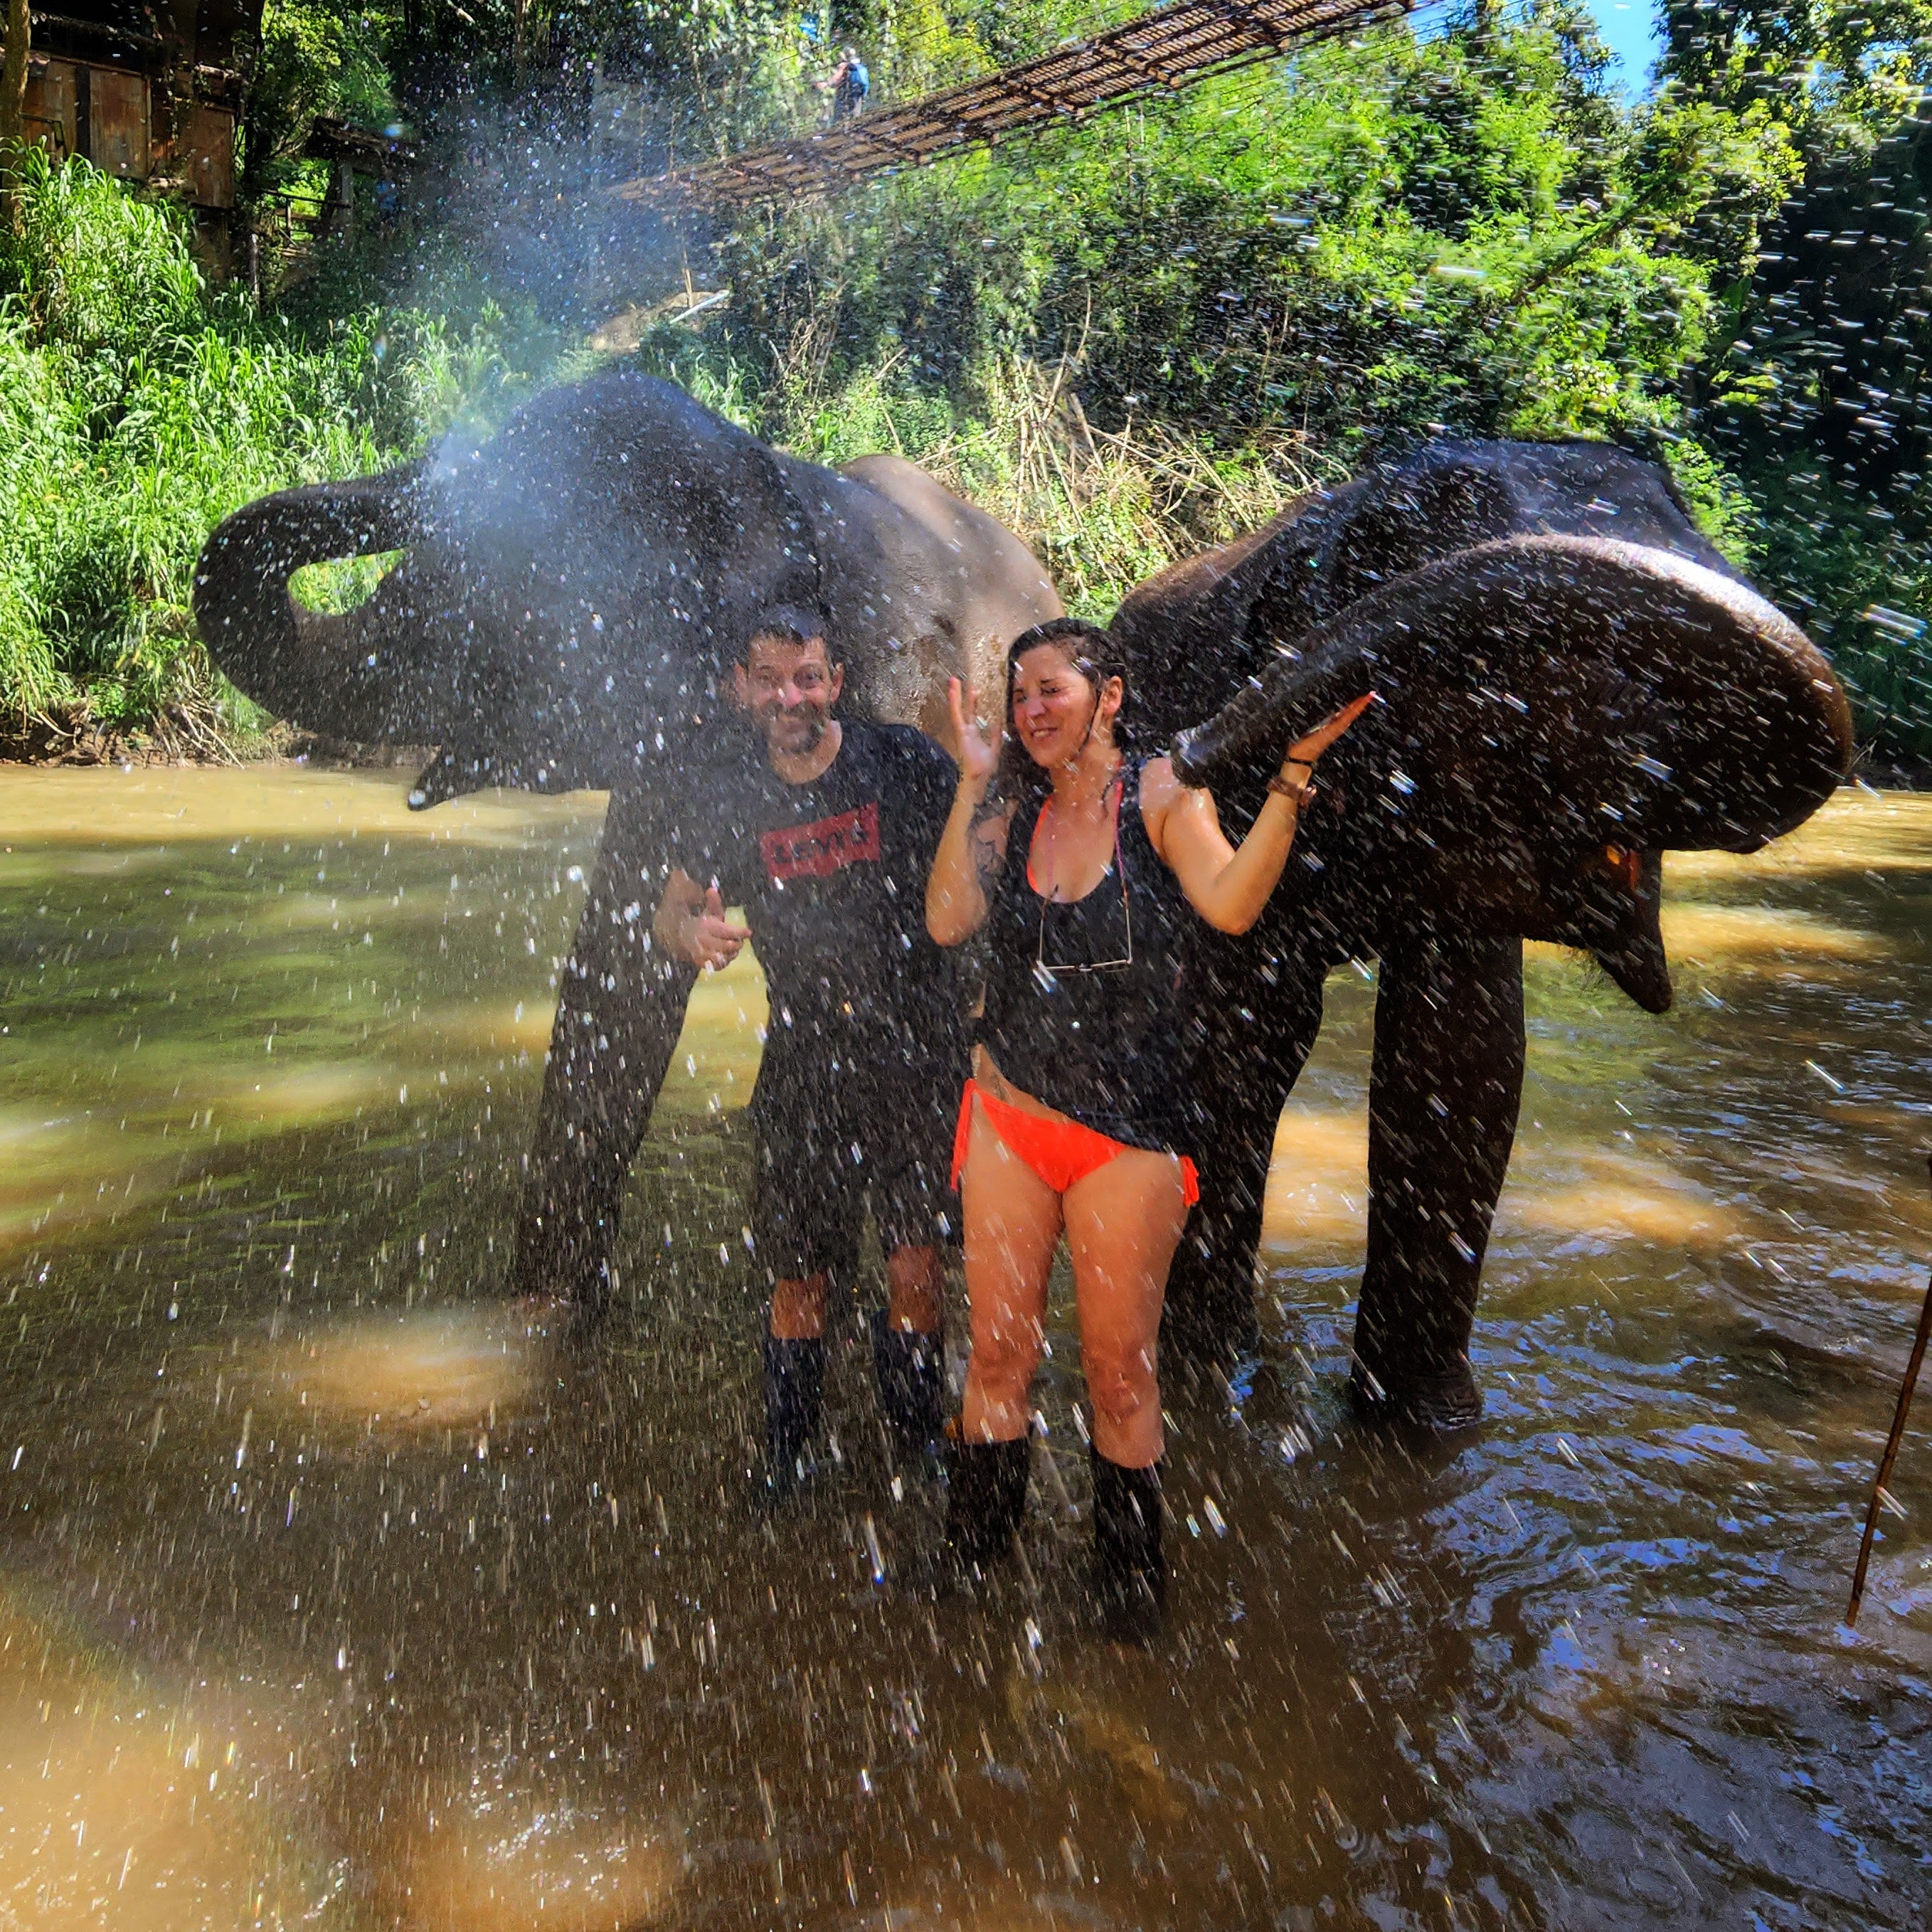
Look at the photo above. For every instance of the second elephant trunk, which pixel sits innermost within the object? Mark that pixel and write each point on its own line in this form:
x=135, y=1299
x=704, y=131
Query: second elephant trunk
x=310, y=667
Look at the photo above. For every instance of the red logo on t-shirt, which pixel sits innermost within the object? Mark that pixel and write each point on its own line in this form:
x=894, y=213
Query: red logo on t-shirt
x=826, y=846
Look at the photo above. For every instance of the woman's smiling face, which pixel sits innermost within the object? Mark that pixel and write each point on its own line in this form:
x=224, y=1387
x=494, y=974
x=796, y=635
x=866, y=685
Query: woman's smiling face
x=1054, y=707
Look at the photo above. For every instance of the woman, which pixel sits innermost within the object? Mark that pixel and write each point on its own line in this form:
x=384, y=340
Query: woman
x=1082, y=862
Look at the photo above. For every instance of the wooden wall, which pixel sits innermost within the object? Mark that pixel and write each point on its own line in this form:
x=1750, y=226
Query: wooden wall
x=149, y=94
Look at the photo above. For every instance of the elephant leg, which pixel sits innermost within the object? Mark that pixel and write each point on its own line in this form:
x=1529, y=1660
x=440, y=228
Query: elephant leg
x=620, y=1008
x=1259, y=1021
x=1442, y=1113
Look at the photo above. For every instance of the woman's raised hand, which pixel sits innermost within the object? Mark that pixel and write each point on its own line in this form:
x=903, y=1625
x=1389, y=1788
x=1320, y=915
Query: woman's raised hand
x=975, y=757
x=1305, y=751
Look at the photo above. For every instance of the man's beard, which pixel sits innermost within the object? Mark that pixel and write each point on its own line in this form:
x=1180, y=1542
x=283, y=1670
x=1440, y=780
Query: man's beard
x=812, y=724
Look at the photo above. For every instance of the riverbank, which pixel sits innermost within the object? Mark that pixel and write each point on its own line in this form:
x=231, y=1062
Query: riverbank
x=52, y=743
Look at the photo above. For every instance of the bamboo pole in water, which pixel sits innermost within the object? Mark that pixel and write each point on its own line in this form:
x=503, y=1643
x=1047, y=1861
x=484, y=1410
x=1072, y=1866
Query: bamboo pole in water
x=1913, y=1364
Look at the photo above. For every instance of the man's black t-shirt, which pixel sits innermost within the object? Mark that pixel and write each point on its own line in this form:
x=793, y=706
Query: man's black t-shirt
x=832, y=877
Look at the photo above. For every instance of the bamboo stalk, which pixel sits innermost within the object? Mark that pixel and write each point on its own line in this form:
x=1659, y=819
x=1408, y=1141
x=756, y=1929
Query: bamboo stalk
x=1912, y=1365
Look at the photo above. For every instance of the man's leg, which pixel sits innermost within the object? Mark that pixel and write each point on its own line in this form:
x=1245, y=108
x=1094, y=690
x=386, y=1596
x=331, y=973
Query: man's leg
x=802, y=1199
x=910, y=1146
x=909, y=1349
x=798, y=1306
x=916, y=1279
x=794, y=1376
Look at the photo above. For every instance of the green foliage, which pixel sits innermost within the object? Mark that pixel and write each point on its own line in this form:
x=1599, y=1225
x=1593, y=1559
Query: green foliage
x=320, y=59
x=1814, y=390
x=1394, y=233
x=1128, y=338
x=136, y=409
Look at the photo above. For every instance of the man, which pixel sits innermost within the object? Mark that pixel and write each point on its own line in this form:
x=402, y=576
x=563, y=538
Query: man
x=825, y=837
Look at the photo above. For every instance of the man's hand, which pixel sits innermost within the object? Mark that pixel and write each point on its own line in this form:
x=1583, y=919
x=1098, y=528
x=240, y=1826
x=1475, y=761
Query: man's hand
x=691, y=925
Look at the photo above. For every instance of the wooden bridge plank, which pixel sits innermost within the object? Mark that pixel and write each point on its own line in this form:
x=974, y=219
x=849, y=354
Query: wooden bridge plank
x=1170, y=48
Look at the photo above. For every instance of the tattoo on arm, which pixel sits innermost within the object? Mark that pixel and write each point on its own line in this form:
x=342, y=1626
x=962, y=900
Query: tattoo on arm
x=988, y=835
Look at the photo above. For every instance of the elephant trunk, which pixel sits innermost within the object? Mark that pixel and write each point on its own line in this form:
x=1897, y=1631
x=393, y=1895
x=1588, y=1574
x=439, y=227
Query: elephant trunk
x=306, y=666
x=1755, y=729
x=1295, y=695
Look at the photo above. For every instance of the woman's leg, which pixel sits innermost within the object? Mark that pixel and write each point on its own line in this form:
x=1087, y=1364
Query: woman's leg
x=1013, y=1225
x=1123, y=1223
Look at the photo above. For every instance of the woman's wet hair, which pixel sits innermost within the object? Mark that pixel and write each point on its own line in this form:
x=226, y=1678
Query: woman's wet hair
x=1093, y=651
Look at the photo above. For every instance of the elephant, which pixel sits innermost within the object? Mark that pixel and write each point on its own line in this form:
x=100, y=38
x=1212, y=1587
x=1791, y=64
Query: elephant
x=1572, y=681
x=572, y=595
x=571, y=590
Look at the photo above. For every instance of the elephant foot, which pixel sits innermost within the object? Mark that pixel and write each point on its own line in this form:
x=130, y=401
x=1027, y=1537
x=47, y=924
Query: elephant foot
x=1446, y=1400
x=1219, y=1336
x=555, y=1319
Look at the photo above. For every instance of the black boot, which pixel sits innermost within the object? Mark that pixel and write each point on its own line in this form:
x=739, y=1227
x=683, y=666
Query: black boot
x=911, y=1369
x=986, y=1498
x=794, y=1394
x=1130, y=1574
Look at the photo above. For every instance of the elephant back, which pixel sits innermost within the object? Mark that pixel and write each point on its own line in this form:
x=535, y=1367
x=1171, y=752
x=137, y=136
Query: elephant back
x=1453, y=496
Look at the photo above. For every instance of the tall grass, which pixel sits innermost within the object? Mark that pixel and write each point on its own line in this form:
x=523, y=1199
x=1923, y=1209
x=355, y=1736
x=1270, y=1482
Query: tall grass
x=1103, y=510
x=138, y=407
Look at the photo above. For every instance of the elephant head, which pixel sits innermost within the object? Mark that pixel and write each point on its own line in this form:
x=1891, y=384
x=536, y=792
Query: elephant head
x=571, y=590
x=1572, y=681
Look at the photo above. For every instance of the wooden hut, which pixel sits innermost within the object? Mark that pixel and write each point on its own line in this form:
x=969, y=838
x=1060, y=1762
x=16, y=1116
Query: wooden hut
x=152, y=92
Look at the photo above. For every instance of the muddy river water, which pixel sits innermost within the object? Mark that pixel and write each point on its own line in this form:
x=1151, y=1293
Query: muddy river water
x=324, y=1602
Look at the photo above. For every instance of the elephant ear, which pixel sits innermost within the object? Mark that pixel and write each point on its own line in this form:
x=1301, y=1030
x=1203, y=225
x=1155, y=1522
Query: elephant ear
x=1252, y=597
x=1596, y=689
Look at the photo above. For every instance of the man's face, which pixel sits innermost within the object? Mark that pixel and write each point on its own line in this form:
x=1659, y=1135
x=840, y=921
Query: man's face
x=789, y=689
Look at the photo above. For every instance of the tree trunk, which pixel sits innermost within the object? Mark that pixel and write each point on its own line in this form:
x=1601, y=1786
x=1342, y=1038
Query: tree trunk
x=13, y=77
x=13, y=102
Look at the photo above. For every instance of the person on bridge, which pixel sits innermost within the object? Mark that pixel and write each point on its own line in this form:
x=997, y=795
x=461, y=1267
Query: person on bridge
x=824, y=835
x=1082, y=858
x=848, y=84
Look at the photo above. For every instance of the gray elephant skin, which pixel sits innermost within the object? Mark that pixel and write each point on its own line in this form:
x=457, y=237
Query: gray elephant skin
x=1573, y=682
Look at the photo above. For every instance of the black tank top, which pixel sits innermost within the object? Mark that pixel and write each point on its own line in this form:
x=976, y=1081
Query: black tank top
x=1084, y=998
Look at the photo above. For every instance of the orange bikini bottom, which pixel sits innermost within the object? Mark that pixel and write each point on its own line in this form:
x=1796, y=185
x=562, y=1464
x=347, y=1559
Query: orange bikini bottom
x=1061, y=1152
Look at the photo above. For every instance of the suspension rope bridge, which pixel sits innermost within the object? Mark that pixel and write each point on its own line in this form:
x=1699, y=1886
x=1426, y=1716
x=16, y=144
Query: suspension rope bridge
x=1164, y=51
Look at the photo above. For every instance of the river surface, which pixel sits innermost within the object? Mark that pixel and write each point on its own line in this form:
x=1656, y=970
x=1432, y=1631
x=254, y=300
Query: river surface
x=324, y=1602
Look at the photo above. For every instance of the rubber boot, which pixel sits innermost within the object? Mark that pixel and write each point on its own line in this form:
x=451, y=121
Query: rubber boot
x=1130, y=1574
x=911, y=1369
x=985, y=1497
x=794, y=1395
